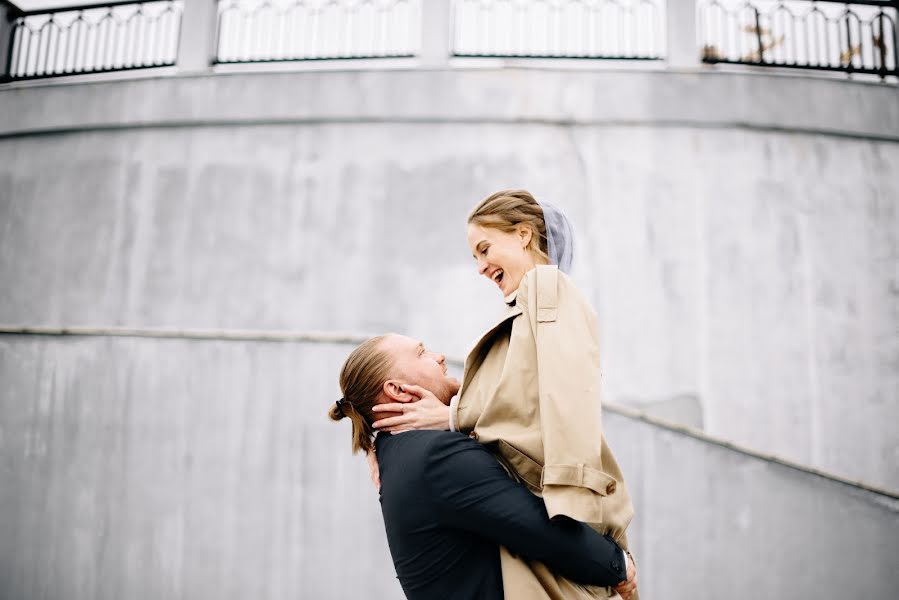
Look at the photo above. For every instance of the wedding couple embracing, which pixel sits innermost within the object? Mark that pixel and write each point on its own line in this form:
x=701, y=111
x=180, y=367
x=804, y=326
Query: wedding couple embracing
x=501, y=486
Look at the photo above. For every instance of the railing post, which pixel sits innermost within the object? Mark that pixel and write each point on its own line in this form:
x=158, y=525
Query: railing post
x=8, y=14
x=683, y=45
x=196, y=44
x=436, y=33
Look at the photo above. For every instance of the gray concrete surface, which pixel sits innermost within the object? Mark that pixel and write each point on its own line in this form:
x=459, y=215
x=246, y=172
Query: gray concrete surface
x=189, y=469
x=737, y=232
x=165, y=469
x=707, y=97
x=715, y=523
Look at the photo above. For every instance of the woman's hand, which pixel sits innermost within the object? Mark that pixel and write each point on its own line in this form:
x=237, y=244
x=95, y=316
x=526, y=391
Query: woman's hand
x=421, y=410
x=627, y=588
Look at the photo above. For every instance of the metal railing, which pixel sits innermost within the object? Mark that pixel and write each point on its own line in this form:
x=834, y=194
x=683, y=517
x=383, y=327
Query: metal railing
x=93, y=38
x=852, y=37
x=610, y=29
x=281, y=30
x=857, y=37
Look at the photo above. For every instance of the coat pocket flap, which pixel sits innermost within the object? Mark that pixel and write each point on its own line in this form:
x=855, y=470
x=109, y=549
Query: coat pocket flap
x=580, y=476
x=528, y=469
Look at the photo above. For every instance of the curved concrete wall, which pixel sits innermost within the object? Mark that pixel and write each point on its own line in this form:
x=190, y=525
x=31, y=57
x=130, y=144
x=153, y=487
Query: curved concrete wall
x=737, y=233
x=192, y=469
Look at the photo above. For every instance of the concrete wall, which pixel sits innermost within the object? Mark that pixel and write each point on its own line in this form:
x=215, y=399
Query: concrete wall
x=185, y=469
x=737, y=233
x=165, y=469
x=715, y=523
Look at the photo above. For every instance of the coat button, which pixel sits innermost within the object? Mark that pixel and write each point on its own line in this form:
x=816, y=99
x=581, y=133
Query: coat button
x=473, y=435
x=616, y=565
x=610, y=489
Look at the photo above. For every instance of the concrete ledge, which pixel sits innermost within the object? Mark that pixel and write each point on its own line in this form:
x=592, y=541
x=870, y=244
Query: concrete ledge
x=701, y=98
x=353, y=339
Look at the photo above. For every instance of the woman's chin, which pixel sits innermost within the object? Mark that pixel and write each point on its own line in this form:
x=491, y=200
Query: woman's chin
x=507, y=290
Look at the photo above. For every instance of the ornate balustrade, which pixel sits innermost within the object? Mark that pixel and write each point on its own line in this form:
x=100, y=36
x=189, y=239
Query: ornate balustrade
x=856, y=38
x=852, y=37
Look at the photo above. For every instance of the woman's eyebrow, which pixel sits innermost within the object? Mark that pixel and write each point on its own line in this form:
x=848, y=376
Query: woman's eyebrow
x=420, y=348
x=480, y=245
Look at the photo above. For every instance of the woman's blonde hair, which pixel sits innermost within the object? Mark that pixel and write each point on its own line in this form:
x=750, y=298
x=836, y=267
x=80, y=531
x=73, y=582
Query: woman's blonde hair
x=506, y=210
x=364, y=372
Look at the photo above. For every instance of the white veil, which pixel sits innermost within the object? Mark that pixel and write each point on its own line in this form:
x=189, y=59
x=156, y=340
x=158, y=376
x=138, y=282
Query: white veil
x=559, y=237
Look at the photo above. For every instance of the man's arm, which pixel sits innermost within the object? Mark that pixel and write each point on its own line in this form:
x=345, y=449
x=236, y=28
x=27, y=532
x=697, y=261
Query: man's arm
x=475, y=494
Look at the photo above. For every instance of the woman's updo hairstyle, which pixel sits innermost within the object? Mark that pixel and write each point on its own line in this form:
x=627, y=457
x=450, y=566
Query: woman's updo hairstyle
x=364, y=372
x=508, y=209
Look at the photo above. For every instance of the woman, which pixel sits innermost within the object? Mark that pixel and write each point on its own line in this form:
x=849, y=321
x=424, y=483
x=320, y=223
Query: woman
x=530, y=387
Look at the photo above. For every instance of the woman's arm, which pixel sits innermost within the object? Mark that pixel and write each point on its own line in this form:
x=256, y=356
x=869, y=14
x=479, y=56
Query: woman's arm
x=567, y=351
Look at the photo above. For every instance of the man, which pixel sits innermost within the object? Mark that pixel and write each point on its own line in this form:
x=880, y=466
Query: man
x=447, y=503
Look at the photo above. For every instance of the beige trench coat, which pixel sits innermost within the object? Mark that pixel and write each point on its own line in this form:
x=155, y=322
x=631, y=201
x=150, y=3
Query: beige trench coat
x=531, y=393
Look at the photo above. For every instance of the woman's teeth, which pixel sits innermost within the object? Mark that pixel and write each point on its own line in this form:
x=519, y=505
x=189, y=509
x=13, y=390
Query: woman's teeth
x=498, y=276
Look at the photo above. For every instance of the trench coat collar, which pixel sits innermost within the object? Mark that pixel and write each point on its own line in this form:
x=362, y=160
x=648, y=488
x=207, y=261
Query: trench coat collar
x=474, y=355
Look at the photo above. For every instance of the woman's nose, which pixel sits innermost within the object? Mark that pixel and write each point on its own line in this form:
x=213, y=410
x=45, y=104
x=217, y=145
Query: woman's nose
x=482, y=267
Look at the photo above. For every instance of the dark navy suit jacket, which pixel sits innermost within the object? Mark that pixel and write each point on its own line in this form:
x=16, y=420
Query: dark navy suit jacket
x=448, y=505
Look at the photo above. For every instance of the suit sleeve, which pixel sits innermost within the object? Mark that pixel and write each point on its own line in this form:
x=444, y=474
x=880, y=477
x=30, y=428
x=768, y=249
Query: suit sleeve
x=474, y=493
x=568, y=371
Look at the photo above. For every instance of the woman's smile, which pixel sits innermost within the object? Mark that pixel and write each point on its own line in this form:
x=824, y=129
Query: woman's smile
x=497, y=277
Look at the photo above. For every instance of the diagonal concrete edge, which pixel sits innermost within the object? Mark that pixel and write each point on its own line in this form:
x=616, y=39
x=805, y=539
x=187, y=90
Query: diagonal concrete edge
x=357, y=338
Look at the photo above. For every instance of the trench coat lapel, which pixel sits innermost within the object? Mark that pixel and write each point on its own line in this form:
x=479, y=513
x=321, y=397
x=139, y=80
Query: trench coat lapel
x=475, y=355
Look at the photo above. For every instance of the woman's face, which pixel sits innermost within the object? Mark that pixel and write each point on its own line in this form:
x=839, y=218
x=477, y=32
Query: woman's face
x=502, y=257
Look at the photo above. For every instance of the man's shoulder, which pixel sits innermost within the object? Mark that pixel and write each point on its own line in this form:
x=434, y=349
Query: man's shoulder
x=420, y=443
x=421, y=457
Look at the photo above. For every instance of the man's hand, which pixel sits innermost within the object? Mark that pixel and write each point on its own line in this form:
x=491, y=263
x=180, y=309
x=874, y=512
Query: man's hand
x=420, y=410
x=627, y=588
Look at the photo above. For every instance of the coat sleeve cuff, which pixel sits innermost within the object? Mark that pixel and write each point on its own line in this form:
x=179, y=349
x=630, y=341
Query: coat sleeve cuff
x=579, y=475
x=576, y=492
x=453, y=407
x=578, y=504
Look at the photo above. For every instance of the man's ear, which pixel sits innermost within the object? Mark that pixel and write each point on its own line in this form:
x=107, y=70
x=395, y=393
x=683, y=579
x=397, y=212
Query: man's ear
x=393, y=389
x=525, y=234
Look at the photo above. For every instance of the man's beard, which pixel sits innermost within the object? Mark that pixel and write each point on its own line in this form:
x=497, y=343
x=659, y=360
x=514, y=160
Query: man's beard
x=449, y=389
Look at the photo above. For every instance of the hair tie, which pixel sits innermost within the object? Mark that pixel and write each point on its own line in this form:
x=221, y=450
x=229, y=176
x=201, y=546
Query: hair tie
x=340, y=404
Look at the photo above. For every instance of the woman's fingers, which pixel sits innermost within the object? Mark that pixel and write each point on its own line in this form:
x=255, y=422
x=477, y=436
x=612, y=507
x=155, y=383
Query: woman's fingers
x=416, y=390
x=426, y=412
x=398, y=408
x=393, y=422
